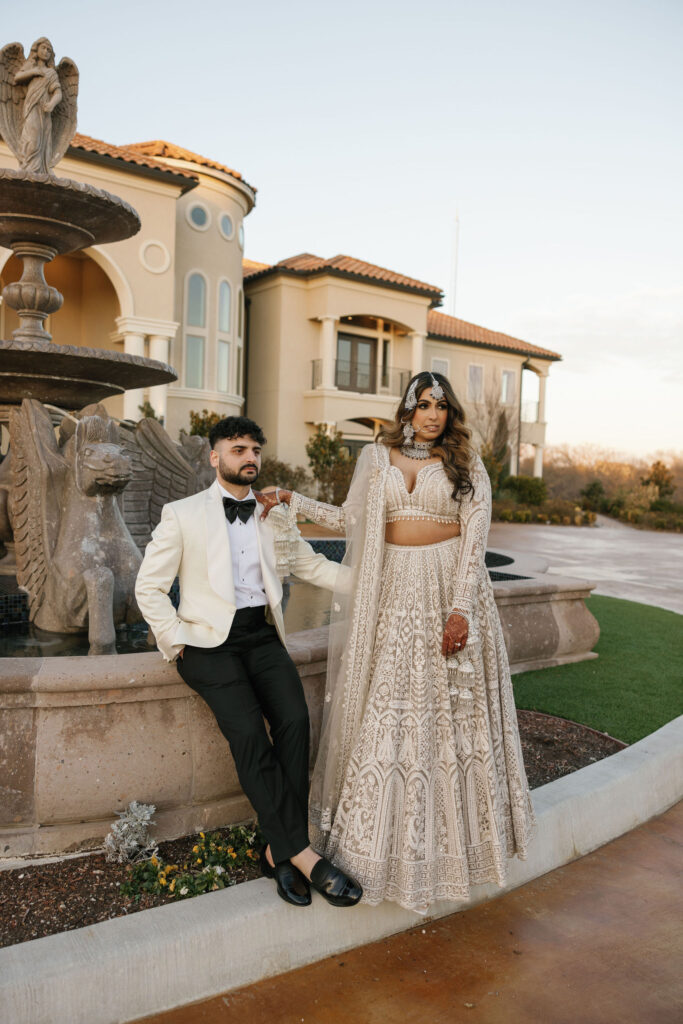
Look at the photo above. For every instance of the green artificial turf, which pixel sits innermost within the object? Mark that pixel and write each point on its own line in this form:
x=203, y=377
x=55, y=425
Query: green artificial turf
x=635, y=685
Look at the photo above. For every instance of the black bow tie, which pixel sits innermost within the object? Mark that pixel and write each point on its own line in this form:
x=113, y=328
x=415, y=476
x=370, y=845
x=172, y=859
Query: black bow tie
x=243, y=509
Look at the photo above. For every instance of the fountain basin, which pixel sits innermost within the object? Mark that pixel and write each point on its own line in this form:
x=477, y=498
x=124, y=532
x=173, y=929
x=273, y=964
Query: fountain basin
x=70, y=376
x=60, y=213
x=85, y=736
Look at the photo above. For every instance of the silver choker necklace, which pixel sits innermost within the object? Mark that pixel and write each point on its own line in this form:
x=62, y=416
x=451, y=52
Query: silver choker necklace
x=417, y=449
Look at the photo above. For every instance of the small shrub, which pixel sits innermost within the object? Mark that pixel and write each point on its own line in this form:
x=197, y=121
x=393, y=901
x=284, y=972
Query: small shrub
x=556, y=512
x=147, y=412
x=202, y=422
x=529, y=490
x=594, y=497
x=661, y=478
x=128, y=839
x=282, y=474
x=663, y=505
x=331, y=464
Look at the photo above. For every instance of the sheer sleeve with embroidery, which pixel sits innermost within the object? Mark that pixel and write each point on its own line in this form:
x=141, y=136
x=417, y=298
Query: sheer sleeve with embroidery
x=332, y=516
x=340, y=518
x=475, y=519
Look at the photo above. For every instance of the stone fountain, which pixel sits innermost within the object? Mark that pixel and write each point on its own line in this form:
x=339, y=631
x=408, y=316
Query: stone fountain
x=80, y=737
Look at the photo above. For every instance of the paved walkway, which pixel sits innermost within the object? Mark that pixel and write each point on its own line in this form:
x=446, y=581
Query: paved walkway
x=596, y=942
x=638, y=565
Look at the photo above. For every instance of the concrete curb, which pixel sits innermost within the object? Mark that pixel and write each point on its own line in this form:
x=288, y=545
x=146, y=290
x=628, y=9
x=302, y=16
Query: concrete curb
x=123, y=969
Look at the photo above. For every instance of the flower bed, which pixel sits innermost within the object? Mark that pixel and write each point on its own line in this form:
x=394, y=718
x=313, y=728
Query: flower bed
x=45, y=898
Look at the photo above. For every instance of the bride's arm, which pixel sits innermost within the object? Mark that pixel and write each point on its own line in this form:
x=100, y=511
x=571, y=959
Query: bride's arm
x=332, y=516
x=475, y=519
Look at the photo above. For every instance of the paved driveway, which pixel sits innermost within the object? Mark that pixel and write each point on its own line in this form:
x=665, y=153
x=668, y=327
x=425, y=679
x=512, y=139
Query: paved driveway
x=638, y=565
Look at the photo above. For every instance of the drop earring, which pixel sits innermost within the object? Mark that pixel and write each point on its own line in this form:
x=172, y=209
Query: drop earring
x=408, y=432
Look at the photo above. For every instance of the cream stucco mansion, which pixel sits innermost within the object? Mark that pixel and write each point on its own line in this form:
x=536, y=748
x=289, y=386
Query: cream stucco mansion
x=305, y=341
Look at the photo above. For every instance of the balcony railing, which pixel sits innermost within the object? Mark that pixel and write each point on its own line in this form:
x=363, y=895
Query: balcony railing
x=529, y=412
x=363, y=379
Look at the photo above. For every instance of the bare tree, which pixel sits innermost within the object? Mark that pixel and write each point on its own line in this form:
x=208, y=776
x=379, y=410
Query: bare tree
x=495, y=428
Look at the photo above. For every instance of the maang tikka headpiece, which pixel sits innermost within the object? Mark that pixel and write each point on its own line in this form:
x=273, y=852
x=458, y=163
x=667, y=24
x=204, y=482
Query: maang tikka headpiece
x=411, y=397
x=437, y=390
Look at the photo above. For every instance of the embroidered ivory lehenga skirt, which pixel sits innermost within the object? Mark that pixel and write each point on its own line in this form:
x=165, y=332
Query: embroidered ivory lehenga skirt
x=435, y=796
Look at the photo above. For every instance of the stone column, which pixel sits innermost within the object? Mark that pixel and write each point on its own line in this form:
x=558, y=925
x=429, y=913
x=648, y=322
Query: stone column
x=328, y=350
x=158, y=395
x=538, y=460
x=542, y=378
x=417, y=353
x=134, y=345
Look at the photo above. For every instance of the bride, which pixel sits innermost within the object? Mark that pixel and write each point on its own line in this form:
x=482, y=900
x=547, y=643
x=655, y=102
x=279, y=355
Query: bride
x=419, y=789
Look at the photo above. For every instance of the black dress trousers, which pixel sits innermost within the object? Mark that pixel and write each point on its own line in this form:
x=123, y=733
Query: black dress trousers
x=249, y=676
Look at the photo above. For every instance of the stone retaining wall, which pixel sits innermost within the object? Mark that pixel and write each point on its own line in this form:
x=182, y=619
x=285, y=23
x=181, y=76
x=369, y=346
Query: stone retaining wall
x=82, y=737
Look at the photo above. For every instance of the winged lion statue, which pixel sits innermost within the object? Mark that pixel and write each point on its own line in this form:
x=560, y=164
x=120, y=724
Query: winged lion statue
x=82, y=506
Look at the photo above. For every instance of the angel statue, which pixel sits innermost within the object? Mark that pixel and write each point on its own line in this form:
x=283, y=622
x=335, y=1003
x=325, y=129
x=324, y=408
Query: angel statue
x=37, y=105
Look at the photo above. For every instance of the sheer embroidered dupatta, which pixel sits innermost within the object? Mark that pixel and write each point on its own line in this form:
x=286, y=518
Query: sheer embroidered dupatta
x=352, y=632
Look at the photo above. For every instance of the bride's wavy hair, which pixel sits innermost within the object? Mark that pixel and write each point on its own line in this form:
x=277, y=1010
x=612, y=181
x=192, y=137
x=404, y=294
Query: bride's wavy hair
x=453, y=446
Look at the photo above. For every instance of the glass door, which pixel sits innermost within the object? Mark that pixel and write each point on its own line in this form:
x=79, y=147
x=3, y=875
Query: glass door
x=356, y=362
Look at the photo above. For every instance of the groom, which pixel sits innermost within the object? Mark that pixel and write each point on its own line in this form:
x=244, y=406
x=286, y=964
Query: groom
x=229, y=638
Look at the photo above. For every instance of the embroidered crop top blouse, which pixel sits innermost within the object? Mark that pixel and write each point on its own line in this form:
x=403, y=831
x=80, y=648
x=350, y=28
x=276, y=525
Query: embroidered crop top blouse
x=431, y=498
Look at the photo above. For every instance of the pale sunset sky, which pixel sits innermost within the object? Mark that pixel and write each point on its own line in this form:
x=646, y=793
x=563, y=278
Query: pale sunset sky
x=552, y=131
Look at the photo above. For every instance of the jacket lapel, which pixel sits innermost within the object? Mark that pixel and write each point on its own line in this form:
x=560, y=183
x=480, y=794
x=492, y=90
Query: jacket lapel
x=218, y=555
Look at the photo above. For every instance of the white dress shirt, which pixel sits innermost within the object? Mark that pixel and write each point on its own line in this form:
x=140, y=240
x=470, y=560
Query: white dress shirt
x=246, y=564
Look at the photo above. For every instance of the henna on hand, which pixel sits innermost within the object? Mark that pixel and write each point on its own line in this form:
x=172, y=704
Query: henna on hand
x=271, y=497
x=454, y=634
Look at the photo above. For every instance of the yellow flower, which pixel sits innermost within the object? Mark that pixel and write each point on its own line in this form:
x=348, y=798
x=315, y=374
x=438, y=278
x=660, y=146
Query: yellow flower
x=201, y=834
x=153, y=861
x=198, y=861
x=172, y=886
x=195, y=849
x=233, y=855
x=162, y=880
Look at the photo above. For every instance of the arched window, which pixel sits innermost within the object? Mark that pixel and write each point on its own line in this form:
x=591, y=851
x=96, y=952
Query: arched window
x=195, y=330
x=223, y=337
x=239, y=371
x=224, y=303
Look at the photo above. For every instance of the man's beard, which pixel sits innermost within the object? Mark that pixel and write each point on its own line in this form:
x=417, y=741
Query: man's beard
x=242, y=478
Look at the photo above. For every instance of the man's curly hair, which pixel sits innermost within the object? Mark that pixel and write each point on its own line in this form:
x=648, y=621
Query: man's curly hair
x=235, y=426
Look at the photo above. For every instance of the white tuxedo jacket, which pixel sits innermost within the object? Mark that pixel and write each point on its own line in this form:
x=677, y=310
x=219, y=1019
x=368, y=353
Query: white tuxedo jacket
x=191, y=542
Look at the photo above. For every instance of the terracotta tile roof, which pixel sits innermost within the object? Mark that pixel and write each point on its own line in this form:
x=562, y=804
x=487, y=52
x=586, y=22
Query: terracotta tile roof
x=86, y=144
x=161, y=148
x=250, y=267
x=440, y=325
x=306, y=264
